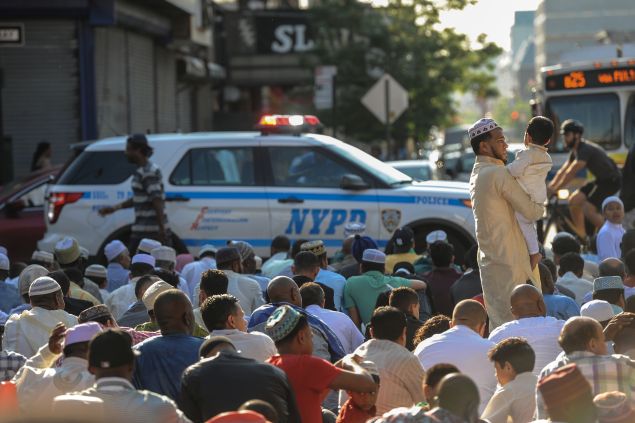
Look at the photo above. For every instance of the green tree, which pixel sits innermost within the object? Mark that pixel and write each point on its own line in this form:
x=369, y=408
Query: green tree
x=403, y=40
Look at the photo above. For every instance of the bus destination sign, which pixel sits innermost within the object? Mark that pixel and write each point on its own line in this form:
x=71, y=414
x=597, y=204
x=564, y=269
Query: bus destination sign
x=593, y=78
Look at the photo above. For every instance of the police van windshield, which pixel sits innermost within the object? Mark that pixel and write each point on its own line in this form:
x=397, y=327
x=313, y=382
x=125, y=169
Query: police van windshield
x=600, y=114
x=373, y=166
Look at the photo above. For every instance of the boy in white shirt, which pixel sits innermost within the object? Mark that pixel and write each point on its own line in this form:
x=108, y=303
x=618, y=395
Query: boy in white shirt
x=530, y=168
x=514, y=401
x=609, y=237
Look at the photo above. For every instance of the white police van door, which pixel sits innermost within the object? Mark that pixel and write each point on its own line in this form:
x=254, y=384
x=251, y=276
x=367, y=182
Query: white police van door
x=306, y=197
x=216, y=194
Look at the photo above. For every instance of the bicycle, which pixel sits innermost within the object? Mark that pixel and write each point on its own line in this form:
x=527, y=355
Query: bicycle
x=558, y=218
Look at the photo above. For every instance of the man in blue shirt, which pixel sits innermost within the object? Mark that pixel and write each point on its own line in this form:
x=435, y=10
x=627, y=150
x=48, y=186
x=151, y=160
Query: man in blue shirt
x=118, y=264
x=9, y=296
x=283, y=290
x=248, y=262
x=333, y=280
x=559, y=306
x=164, y=358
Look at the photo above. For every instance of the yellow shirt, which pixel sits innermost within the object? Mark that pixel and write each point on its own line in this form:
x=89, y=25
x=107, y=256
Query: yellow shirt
x=392, y=259
x=79, y=294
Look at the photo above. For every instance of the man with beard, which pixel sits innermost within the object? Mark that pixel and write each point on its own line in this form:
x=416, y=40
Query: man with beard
x=503, y=258
x=587, y=201
x=148, y=197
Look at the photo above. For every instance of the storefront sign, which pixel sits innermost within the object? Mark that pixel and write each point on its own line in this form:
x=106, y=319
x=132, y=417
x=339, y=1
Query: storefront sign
x=11, y=35
x=269, y=34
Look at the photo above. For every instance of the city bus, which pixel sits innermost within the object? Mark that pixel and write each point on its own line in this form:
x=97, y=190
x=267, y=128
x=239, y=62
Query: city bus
x=601, y=95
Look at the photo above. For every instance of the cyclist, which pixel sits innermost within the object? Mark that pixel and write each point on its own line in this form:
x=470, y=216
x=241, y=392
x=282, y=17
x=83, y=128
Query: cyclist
x=586, y=201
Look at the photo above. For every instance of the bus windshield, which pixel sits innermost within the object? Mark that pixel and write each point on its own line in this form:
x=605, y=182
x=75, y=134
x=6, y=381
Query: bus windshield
x=599, y=113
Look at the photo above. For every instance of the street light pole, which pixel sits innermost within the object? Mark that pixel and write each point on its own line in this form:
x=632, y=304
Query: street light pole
x=387, y=104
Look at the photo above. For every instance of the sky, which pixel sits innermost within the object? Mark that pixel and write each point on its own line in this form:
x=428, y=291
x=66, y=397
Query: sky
x=492, y=17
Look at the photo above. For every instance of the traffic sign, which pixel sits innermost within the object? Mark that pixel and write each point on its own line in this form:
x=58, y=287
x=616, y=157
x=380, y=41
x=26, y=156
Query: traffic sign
x=387, y=99
x=323, y=97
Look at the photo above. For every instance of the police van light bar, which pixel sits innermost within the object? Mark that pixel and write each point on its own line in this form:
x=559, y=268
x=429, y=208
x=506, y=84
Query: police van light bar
x=288, y=123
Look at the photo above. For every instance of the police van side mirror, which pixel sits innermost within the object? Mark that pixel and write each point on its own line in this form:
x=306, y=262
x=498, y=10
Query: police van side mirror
x=353, y=183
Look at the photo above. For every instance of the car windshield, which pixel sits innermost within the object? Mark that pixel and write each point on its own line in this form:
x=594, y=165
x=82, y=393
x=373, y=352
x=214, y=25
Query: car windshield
x=373, y=166
x=420, y=173
x=600, y=114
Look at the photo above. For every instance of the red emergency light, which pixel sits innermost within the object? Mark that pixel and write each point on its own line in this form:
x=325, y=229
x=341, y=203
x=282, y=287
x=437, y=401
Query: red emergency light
x=293, y=124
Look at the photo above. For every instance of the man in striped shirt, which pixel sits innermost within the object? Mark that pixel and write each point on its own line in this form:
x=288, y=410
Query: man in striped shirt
x=148, y=197
x=583, y=342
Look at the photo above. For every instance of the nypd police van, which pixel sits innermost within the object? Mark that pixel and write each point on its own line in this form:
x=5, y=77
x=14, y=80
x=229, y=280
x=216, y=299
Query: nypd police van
x=222, y=186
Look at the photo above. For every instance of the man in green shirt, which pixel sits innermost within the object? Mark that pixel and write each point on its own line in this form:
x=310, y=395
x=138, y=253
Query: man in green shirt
x=361, y=292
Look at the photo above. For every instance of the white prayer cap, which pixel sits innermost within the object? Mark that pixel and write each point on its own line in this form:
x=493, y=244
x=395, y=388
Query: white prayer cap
x=144, y=258
x=612, y=199
x=354, y=228
x=258, y=260
x=43, y=285
x=374, y=256
x=43, y=256
x=207, y=248
x=4, y=262
x=147, y=245
x=28, y=275
x=482, y=126
x=83, y=332
x=3, y=250
x=244, y=248
x=151, y=294
x=96, y=270
x=599, y=310
x=435, y=236
x=164, y=253
x=67, y=250
x=113, y=249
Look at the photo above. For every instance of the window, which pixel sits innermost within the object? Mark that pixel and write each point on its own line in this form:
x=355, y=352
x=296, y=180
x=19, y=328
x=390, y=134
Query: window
x=306, y=167
x=34, y=197
x=369, y=165
x=599, y=113
x=419, y=173
x=98, y=168
x=629, y=124
x=216, y=166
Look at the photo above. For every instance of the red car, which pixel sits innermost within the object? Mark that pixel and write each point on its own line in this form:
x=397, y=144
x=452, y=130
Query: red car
x=22, y=213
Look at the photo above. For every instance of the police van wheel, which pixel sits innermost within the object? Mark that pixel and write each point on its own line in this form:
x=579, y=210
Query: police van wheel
x=461, y=241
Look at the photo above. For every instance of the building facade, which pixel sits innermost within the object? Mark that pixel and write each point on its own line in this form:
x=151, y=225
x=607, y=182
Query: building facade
x=522, y=53
x=75, y=70
x=266, y=54
x=567, y=29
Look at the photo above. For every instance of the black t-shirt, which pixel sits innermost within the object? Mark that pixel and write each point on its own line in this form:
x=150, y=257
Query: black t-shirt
x=466, y=287
x=227, y=381
x=75, y=306
x=597, y=161
x=329, y=293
